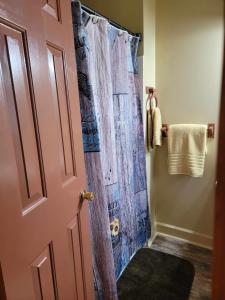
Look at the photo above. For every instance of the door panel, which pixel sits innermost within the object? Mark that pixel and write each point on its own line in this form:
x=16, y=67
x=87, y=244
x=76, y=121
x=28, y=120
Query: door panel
x=44, y=275
x=59, y=94
x=73, y=231
x=53, y=8
x=21, y=107
x=45, y=250
x=2, y=286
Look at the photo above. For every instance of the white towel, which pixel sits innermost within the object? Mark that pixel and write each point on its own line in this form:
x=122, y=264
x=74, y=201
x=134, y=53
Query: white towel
x=187, y=146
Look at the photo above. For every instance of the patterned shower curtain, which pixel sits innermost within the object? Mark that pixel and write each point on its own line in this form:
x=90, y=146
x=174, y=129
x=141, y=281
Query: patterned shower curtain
x=113, y=139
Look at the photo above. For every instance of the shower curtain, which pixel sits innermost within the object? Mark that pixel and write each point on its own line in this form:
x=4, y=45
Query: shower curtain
x=112, y=126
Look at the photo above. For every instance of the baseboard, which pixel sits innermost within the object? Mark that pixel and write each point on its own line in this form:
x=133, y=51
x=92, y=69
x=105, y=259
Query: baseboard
x=186, y=235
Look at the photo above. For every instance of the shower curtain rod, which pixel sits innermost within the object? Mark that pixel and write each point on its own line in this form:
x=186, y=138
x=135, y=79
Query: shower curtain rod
x=91, y=11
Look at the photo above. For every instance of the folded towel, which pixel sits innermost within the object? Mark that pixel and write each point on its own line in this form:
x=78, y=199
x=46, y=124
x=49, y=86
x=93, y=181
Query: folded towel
x=187, y=146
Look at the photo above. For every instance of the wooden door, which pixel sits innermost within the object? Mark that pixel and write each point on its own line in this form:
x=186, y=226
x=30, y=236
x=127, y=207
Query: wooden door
x=219, y=223
x=44, y=233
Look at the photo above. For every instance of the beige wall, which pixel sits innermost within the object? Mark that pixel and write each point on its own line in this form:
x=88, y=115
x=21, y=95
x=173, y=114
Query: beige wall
x=128, y=13
x=189, y=40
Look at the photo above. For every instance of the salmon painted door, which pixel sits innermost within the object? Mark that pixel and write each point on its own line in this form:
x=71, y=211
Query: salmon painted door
x=45, y=252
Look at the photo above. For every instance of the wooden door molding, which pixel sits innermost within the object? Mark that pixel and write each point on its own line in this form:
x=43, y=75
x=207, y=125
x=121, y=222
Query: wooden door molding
x=219, y=221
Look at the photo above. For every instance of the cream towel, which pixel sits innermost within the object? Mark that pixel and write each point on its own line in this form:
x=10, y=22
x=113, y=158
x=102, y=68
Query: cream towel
x=187, y=146
x=154, y=125
x=157, y=126
x=148, y=129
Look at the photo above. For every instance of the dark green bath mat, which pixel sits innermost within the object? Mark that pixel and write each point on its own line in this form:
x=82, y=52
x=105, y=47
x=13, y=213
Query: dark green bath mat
x=153, y=275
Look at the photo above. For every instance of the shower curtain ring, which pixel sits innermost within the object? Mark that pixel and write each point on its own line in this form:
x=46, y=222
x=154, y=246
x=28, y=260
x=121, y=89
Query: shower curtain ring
x=94, y=19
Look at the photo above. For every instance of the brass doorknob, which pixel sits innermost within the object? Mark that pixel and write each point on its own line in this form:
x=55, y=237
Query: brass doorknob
x=87, y=196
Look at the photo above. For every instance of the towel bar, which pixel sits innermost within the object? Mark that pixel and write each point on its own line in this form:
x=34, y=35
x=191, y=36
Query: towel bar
x=149, y=90
x=211, y=130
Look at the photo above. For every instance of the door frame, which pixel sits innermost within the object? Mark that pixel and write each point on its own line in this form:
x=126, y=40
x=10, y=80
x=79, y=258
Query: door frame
x=218, y=285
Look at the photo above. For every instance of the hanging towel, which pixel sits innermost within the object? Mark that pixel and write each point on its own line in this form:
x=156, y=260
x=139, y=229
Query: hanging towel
x=157, y=126
x=154, y=123
x=187, y=149
x=149, y=126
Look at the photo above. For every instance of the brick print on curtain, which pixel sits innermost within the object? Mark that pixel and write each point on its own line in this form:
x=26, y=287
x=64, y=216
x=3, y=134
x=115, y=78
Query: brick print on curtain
x=88, y=115
x=103, y=262
x=134, y=224
x=117, y=172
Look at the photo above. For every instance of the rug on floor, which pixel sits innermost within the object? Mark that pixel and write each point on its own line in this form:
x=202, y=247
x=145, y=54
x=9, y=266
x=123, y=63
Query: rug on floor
x=153, y=275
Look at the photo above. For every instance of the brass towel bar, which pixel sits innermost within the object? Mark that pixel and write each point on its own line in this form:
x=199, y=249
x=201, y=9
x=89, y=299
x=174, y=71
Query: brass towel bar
x=211, y=126
x=211, y=130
